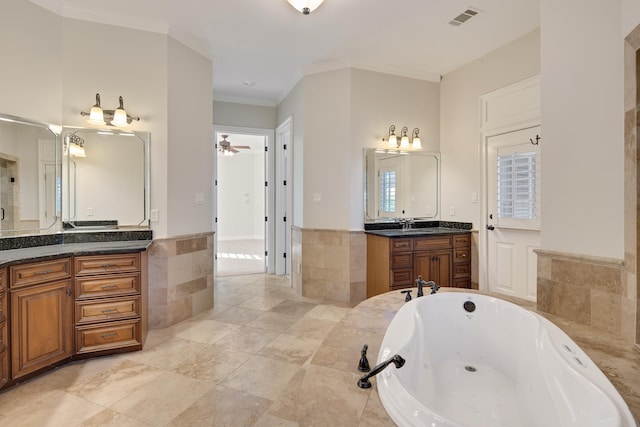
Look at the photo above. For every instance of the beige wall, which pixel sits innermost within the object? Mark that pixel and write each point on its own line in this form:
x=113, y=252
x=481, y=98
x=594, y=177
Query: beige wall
x=31, y=71
x=244, y=115
x=460, y=119
x=582, y=122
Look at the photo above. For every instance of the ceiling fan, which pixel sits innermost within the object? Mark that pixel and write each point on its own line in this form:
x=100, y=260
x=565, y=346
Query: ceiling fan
x=227, y=149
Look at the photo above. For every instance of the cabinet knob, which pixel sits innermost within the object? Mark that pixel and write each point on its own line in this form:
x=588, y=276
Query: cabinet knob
x=69, y=292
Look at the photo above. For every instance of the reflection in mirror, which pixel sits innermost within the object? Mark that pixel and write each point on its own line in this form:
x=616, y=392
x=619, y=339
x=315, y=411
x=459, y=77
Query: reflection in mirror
x=401, y=184
x=106, y=178
x=29, y=177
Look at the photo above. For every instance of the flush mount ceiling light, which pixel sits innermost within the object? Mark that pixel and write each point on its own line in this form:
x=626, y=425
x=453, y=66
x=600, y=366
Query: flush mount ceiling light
x=305, y=6
x=404, y=141
x=117, y=117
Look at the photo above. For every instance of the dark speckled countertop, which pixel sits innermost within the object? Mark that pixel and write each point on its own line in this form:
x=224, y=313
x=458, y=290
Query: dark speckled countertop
x=43, y=253
x=417, y=232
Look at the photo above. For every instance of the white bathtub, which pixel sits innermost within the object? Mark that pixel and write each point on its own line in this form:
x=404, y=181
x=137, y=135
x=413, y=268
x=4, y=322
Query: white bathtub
x=499, y=365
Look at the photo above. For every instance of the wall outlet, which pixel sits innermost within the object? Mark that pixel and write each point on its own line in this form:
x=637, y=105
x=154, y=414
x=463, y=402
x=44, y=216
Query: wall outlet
x=317, y=197
x=474, y=197
x=199, y=198
x=452, y=211
x=89, y=211
x=154, y=217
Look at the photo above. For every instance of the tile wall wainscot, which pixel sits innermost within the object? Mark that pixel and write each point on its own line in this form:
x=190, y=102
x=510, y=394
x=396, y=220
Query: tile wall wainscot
x=329, y=264
x=591, y=291
x=631, y=176
x=180, y=278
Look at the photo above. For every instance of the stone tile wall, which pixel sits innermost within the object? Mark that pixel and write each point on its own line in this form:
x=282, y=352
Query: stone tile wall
x=588, y=290
x=329, y=264
x=180, y=278
x=631, y=177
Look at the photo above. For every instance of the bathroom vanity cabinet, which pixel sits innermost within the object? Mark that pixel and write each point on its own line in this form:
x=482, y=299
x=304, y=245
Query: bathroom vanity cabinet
x=108, y=313
x=395, y=262
x=4, y=329
x=69, y=308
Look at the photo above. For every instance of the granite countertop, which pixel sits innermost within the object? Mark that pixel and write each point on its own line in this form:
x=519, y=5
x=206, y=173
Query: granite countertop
x=43, y=253
x=417, y=232
x=331, y=396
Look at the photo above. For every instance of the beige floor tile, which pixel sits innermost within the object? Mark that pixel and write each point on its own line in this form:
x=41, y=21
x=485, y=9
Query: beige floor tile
x=168, y=355
x=109, y=386
x=331, y=398
x=231, y=298
x=109, y=418
x=286, y=404
x=214, y=364
x=263, y=303
x=272, y=421
x=262, y=377
x=273, y=321
x=237, y=315
x=310, y=327
x=161, y=400
x=293, y=308
x=328, y=312
x=223, y=407
x=374, y=414
x=291, y=348
x=217, y=309
x=207, y=331
x=247, y=339
x=55, y=409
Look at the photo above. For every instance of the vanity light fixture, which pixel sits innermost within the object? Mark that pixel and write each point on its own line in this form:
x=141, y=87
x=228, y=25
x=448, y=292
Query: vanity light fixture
x=117, y=117
x=404, y=141
x=305, y=6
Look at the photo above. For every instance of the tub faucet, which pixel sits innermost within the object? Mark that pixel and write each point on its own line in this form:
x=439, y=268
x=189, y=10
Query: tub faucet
x=396, y=359
x=421, y=283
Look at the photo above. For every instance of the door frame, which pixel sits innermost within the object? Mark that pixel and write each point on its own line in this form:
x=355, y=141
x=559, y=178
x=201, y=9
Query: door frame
x=283, y=197
x=269, y=136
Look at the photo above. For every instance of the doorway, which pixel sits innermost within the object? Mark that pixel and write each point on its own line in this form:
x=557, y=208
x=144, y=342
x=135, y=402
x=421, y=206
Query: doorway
x=241, y=204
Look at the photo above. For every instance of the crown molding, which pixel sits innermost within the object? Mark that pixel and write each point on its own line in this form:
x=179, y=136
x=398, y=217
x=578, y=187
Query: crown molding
x=401, y=71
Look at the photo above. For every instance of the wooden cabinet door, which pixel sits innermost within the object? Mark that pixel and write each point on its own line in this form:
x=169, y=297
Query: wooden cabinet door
x=41, y=326
x=434, y=265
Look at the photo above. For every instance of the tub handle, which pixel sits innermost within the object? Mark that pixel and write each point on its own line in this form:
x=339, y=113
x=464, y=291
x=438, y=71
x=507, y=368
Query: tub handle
x=408, y=297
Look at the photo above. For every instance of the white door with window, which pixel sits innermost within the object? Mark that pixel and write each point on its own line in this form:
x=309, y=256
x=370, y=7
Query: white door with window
x=513, y=212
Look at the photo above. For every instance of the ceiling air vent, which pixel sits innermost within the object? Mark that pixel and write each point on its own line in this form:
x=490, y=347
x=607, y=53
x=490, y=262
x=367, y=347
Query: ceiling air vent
x=464, y=17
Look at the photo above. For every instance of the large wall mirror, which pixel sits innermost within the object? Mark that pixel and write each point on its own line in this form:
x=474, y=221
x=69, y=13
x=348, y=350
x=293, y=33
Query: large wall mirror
x=106, y=179
x=401, y=184
x=30, y=165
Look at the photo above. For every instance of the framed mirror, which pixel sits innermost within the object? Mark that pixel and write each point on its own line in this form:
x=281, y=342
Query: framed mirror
x=30, y=170
x=401, y=184
x=106, y=179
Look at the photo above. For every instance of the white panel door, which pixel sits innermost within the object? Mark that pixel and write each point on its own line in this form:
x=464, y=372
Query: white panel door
x=513, y=223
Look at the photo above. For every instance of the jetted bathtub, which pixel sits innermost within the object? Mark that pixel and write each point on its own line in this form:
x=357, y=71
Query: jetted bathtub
x=477, y=361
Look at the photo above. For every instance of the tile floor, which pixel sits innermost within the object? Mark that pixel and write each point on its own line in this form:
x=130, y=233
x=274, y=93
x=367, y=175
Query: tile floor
x=226, y=367
x=240, y=257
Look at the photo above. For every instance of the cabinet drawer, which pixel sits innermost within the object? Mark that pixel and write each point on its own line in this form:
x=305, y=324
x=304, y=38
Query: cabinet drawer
x=401, y=278
x=434, y=242
x=107, y=264
x=400, y=245
x=40, y=272
x=461, y=270
x=461, y=255
x=107, y=336
x=462, y=240
x=112, y=309
x=401, y=260
x=102, y=286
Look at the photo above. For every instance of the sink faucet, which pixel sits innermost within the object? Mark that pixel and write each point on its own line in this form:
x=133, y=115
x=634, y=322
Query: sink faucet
x=431, y=284
x=407, y=223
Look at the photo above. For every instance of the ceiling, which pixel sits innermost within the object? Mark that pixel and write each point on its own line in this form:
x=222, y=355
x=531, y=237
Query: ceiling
x=270, y=43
